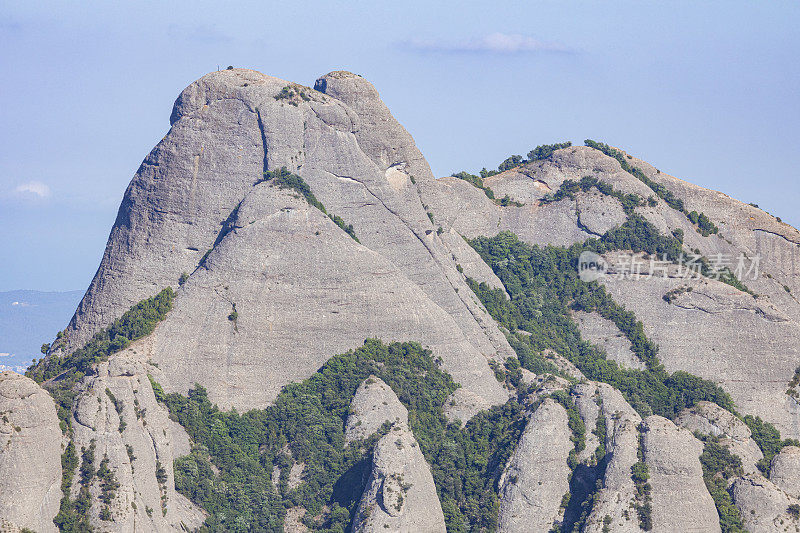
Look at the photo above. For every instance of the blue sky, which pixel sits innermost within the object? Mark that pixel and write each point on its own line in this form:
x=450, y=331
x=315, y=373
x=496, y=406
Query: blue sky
x=707, y=91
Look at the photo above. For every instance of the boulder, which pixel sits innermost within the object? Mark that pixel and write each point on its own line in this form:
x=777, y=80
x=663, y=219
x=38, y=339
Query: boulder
x=373, y=404
x=400, y=494
x=710, y=419
x=764, y=507
x=785, y=470
x=536, y=477
x=30, y=455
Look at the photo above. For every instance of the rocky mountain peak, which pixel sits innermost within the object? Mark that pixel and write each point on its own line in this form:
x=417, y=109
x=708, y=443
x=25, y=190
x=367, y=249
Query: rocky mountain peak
x=275, y=227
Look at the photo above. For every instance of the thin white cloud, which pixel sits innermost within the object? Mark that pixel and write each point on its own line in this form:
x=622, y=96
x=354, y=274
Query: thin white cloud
x=35, y=188
x=17, y=369
x=5, y=354
x=494, y=43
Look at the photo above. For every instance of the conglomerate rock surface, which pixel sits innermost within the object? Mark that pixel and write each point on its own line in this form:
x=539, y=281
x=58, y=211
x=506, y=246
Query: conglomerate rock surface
x=30, y=455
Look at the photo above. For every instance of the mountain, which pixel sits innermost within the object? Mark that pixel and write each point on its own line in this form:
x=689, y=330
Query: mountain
x=27, y=319
x=296, y=327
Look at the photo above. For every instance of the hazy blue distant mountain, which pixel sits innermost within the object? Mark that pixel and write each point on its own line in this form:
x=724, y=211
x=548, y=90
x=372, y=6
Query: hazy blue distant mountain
x=28, y=319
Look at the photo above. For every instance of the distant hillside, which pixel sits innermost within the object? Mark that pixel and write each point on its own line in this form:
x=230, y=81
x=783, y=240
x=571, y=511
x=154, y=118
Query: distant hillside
x=28, y=319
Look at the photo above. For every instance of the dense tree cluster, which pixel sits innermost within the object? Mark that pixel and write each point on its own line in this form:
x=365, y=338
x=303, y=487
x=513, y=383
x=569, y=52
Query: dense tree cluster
x=640, y=474
x=768, y=439
x=540, y=152
x=73, y=515
x=543, y=151
x=640, y=235
x=477, y=181
x=569, y=188
x=139, y=321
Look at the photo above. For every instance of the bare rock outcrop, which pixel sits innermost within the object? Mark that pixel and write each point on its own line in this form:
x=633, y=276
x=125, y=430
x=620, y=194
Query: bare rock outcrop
x=764, y=506
x=117, y=412
x=536, y=476
x=613, y=501
x=722, y=334
x=303, y=290
x=400, y=494
x=681, y=501
x=589, y=405
x=373, y=404
x=710, y=419
x=785, y=470
x=605, y=334
x=30, y=456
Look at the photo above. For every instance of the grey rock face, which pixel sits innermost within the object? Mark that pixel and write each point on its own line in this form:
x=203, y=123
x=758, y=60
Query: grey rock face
x=303, y=290
x=598, y=213
x=30, y=456
x=196, y=192
x=400, y=494
x=373, y=404
x=724, y=335
x=535, y=478
x=681, y=501
x=785, y=470
x=763, y=506
x=589, y=405
x=186, y=187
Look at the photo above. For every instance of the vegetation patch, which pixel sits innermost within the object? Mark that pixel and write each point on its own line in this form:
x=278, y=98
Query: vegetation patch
x=639, y=235
x=59, y=375
x=539, y=153
x=139, y=321
x=63, y=372
x=306, y=425
x=293, y=94
x=73, y=515
x=672, y=294
x=583, y=477
x=640, y=474
x=720, y=465
x=794, y=385
x=544, y=286
x=569, y=188
x=768, y=439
